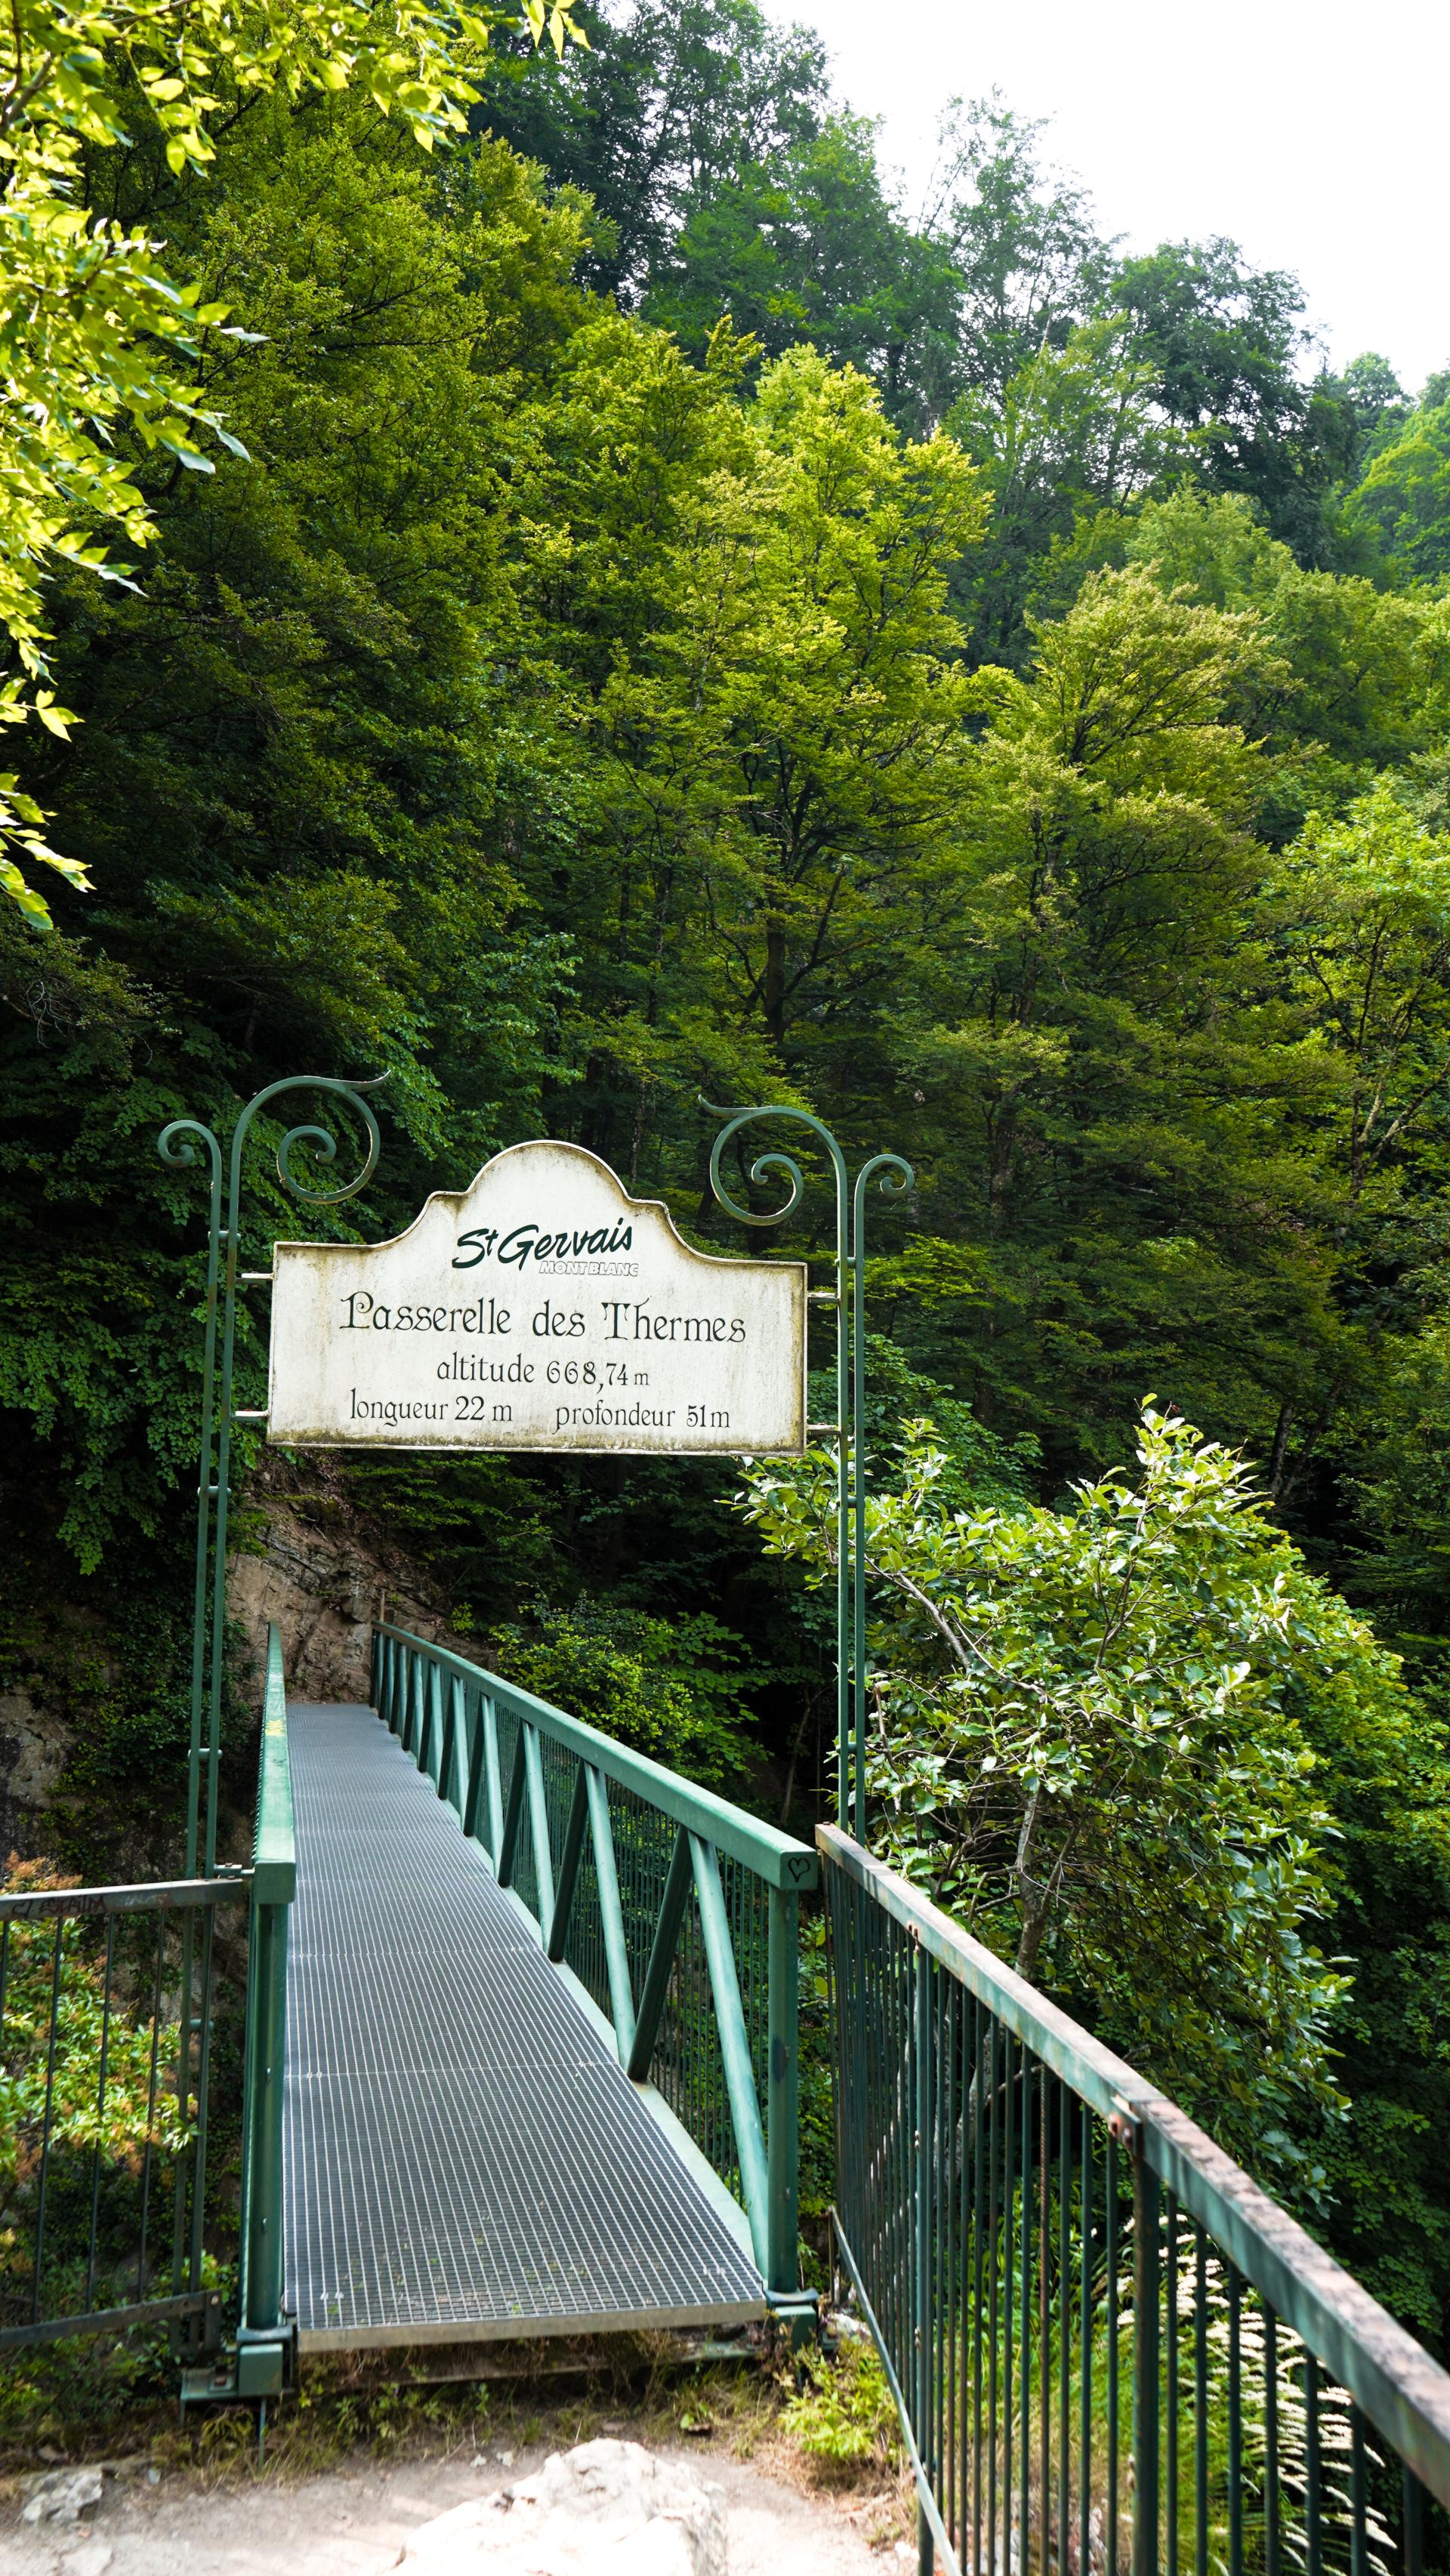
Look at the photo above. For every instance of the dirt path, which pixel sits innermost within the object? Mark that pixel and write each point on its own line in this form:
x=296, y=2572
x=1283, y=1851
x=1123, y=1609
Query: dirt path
x=357, y=2521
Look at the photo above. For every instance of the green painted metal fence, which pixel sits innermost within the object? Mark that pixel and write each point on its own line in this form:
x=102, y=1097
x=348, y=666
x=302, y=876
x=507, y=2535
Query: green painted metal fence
x=1110, y=2349
x=676, y=1913
x=113, y=2001
x=107, y=2015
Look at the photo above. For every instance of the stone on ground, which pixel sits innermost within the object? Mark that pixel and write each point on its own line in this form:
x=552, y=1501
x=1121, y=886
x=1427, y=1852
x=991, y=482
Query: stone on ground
x=605, y=2509
x=62, y=2496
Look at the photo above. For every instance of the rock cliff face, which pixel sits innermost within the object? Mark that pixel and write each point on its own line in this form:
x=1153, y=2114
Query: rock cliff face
x=324, y=1580
x=35, y=1744
x=306, y=1560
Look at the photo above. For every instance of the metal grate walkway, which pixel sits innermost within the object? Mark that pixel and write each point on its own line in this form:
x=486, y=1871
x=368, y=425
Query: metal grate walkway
x=463, y=2157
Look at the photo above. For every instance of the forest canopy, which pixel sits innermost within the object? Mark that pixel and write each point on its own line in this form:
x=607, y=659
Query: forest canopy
x=666, y=620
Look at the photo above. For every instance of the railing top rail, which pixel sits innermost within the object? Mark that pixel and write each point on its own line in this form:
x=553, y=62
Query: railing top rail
x=1402, y=2390
x=773, y=1856
x=151, y=1896
x=274, y=1855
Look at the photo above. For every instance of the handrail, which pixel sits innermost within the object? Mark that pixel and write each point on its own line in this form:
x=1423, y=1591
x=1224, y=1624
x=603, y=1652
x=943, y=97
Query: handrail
x=274, y=1853
x=773, y=1856
x=612, y=1895
x=145, y=1896
x=1401, y=2388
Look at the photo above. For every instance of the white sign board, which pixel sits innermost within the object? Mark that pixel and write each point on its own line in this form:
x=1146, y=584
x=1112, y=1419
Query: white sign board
x=540, y=1308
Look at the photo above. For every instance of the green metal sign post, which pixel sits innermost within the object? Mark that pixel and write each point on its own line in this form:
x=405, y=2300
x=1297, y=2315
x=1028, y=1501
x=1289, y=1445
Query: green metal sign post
x=892, y=1176
x=179, y=1144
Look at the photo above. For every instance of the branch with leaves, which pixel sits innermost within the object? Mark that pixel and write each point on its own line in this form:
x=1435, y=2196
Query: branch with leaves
x=95, y=339
x=1085, y=1742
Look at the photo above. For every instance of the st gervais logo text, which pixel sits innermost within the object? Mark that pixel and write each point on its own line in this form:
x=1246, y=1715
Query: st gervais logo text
x=526, y=1243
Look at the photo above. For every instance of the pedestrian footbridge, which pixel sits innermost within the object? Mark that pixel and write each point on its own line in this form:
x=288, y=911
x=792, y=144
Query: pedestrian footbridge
x=521, y=2060
x=539, y=2073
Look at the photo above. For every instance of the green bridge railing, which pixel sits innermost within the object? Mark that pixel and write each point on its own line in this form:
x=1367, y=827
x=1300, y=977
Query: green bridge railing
x=1110, y=2349
x=676, y=1913
x=113, y=2001
x=107, y=2011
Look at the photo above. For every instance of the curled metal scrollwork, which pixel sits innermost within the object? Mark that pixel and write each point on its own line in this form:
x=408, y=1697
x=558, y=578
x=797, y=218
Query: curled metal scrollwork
x=893, y=1176
x=319, y=1142
x=175, y=1146
x=178, y=1143
x=765, y=1164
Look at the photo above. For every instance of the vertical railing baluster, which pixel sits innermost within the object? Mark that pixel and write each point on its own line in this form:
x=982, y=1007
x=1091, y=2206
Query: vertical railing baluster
x=943, y=2376
x=148, y=2151
x=538, y=1829
x=1009, y=2291
x=1085, y=2335
x=782, y=2112
x=448, y=1752
x=493, y=1771
x=1171, y=2462
x=981, y=2026
x=203, y=2100
x=1271, y=2442
x=431, y=1747
x=1147, y=2261
x=994, y=2040
x=1313, y=2496
x=1044, y=2315
x=1200, y=2403
x=1358, y=2537
x=1110, y=2223
x=46, y=2118
x=1235, y=2423
x=106, y=2002
x=1024, y=2396
x=922, y=2250
x=1064, y=2324
x=966, y=2234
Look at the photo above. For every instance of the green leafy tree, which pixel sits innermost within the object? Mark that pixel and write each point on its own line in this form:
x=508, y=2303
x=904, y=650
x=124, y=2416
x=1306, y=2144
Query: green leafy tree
x=1029, y=263
x=1085, y=1742
x=106, y=358
x=1071, y=438
x=1369, y=944
x=1350, y=677
x=1405, y=494
x=811, y=248
x=782, y=742
x=1226, y=342
x=306, y=744
x=667, y=105
x=675, y=1689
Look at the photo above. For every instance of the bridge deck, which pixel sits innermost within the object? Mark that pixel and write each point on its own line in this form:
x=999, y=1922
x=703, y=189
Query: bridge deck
x=463, y=2156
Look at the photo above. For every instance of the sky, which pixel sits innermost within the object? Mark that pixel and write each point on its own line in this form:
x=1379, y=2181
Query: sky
x=1313, y=138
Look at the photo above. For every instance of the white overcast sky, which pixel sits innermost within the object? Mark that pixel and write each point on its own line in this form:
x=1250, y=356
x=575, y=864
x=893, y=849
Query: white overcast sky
x=1316, y=137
